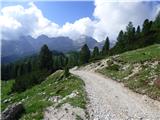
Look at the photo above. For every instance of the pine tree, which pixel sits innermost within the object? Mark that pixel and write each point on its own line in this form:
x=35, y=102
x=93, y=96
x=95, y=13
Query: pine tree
x=29, y=67
x=147, y=33
x=84, y=54
x=138, y=30
x=95, y=52
x=105, y=49
x=21, y=70
x=146, y=27
x=45, y=58
x=156, y=29
x=130, y=36
x=120, y=45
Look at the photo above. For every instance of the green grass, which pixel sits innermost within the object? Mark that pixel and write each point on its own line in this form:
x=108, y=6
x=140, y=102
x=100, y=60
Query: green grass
x=116, y=74
x=36, y=99
x=6, y=88
x=141, y=55
x=143, y=81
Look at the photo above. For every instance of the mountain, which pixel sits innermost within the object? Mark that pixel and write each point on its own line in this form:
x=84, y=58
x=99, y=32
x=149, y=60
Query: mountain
x=27, y=45
x=85, y=40
x=62, y=44
x=11, y=50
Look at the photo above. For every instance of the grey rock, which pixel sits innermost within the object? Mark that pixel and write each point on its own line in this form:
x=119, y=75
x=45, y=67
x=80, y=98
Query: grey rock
x=13, y=112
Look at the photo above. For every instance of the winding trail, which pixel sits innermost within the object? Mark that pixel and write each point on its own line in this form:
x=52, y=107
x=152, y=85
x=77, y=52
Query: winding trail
x=110, y=100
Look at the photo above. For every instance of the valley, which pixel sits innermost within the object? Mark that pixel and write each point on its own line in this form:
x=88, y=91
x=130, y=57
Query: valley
x=80, y=60
x=100, y=96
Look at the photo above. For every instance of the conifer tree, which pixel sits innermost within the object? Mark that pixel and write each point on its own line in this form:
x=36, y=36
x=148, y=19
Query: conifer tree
x=45, y=58
x=95, y=52
x=105, y=49
x=84, y=54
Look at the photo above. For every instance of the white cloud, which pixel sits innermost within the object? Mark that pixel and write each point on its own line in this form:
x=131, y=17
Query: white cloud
x=109, y=19
x=17, y=21
x=115, y=16
x=78, y=28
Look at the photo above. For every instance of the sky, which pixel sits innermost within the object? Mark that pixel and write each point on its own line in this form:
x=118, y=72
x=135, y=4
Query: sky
x=61, y=12
x=97, y=19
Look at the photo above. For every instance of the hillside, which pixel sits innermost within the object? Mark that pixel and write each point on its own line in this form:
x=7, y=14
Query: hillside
x=138, y=69
x=56, y=92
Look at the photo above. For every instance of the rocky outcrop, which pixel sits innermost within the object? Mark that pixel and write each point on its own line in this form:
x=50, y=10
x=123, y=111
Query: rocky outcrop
x=13, y=112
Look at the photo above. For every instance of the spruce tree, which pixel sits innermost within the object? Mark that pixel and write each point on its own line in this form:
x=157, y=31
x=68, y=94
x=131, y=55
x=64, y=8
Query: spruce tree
x=156, y=28
x=45, y=58
x=105, y=49
x=146, y=27
x=120, y=45
x=130, y=36
x=95, y=52
x=146, y=31
x=138, y=32
x=84, y=54
x=29, y=67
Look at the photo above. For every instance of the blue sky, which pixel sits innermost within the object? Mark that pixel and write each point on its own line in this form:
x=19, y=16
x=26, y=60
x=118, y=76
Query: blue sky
x=60, y=12
x=63, y=11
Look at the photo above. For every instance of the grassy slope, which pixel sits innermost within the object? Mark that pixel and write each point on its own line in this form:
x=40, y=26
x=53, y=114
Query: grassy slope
x=36, y=99
x=145, y=60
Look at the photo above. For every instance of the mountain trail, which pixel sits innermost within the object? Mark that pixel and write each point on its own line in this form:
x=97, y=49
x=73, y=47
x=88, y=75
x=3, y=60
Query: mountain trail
x=110, y=100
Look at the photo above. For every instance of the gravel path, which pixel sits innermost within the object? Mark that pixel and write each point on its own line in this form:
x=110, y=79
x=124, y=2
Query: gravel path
x=110, y=100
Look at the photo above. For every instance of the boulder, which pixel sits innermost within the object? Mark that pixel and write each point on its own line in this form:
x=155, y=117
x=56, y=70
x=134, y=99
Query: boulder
x=13, y=112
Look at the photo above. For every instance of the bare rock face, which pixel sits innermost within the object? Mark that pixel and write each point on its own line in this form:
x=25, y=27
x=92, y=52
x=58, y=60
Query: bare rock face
x=13, y=112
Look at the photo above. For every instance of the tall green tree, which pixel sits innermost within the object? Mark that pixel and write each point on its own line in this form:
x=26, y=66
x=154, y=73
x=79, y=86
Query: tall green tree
x=130, y=36
x=105, y=49
x=84, y=54
x=156, y=28
x=146, y=27
x=21, y=70
x=73, y=59
x=138, y=32
x=29, y=67
x=45, y=58
x=120, y=44
x=95, y=52
x=147, y=33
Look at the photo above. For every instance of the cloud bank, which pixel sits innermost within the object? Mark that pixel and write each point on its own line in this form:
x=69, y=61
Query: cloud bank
x=109, y=19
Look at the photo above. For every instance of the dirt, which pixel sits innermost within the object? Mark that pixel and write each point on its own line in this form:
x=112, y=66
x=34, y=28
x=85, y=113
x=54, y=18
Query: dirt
x=65, y=112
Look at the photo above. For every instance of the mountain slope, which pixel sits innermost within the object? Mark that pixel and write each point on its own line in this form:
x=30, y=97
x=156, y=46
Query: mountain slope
x=55, y=91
